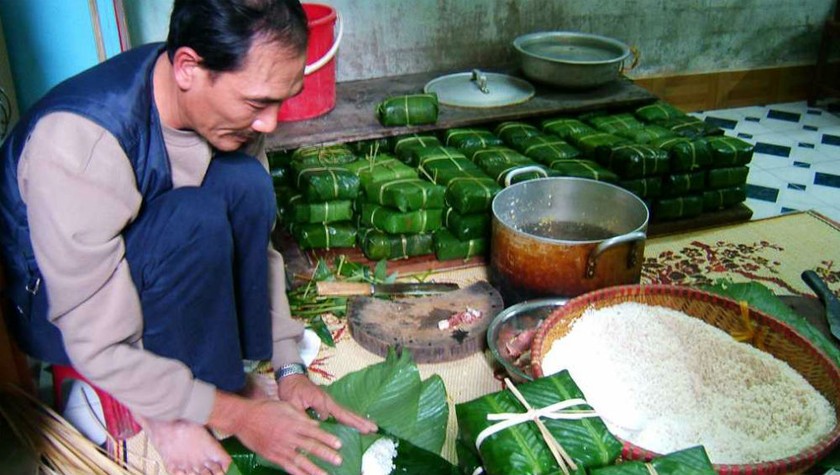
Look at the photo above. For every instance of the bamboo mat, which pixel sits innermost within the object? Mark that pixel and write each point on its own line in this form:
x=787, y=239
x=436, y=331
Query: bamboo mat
x=772, y=251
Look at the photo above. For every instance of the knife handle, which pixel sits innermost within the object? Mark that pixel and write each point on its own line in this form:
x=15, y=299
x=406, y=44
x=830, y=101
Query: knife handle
x=344, y=289
x=818, y=286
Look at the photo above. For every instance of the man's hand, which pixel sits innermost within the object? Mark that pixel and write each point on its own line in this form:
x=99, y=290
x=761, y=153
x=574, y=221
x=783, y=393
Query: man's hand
x=277, y=431
x=303, y=394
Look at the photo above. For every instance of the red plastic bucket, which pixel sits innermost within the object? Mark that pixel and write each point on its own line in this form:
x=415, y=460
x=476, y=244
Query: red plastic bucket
x=318, y=96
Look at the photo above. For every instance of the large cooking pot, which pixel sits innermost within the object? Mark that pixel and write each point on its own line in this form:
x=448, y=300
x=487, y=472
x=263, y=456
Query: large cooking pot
x=564, y=236
x=570, y=59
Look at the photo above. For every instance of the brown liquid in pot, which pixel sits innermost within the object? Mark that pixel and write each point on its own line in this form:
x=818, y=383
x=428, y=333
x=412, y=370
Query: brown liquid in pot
x=567, y=230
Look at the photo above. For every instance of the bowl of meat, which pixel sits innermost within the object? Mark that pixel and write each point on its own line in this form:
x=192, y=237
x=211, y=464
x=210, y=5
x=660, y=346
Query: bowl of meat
x=512, y=330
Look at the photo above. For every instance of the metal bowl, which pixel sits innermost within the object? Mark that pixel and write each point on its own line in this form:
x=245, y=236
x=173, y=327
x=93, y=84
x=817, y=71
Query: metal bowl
x=570, y=59
x=515, y=327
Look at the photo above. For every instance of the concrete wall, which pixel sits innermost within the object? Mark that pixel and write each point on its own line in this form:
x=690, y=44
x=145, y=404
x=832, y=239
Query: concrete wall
x=392, y=37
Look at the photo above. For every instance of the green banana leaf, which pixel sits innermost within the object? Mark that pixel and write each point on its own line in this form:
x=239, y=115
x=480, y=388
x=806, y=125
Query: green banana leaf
x=680, y=184
x=412, y=109
x=521, y=449
x=657, y=112
x=727, y=177
x=714, y=200
x=616, y=122
x=408, y=194
x=730, y=151
x=676, y=208
x=692, y=461
x=646, y=134
x=412, y=411
x=565, y=127
x=512, y=133
x=630, y=161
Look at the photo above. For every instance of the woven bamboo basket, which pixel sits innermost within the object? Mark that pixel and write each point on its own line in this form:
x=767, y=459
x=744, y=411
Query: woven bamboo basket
x=769, y=334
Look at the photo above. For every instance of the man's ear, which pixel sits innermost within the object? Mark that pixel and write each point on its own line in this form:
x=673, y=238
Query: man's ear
x=186, y=67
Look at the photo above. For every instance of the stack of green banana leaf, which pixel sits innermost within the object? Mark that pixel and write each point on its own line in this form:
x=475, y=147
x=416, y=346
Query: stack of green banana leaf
x=410, y=411
x=493, y=435
x=315, y=194
x=707, y=169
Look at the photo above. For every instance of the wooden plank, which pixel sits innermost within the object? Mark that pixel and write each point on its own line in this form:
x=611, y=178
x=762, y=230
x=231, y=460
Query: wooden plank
x=353, y=117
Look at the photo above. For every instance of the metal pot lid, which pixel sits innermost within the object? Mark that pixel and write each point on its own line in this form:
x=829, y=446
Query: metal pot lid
x=478, y=89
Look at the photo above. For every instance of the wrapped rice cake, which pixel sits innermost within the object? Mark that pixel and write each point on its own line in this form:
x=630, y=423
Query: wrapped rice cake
x=723, y=198
x=616, y=123
x=324, y=156
x=408, y=194
x=471, y=194
x=379, y=168
x=659, y=111
x=377, y=245
x=325, y=212
x=566, y=128
x=407, y=110
x=396, y=222
x=449, y=247
x=679, y=184
x=634, y=160
x=512, y=133
x=726, y=177
x=324, y=235
x=729, y=151
x=583, y=169
x=510, y=444
x=465, y=138
x=318, y=184
x=678, y=208
x=546, y=149
x=402, y=144
x=467, y=226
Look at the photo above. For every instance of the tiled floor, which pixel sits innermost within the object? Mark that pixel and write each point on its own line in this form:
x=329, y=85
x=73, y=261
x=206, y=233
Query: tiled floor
x=796, y=164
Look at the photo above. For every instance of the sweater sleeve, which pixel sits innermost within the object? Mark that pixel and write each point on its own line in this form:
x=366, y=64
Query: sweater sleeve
x=80, y=193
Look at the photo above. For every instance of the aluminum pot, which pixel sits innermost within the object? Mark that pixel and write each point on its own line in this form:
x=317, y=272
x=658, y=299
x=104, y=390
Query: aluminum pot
x=569, y=59
x=564, y=236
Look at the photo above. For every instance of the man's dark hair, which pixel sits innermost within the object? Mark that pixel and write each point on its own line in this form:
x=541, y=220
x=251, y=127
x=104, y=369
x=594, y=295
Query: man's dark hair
x=222, y=31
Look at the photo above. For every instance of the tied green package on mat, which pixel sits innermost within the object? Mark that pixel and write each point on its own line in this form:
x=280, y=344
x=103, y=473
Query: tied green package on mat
x=394, y=221
x=502, y=429
x=324, y=156
x=325, y=212
x=726, y=177
x=687, y=155
x=714, y=200
x=320, y=184
x=691, y=127
x=583, y=169
x=324, y=236
x=491, y=156
x=649, y=187
x=646, y=134
x=381, y=167
x=566, y=128
x=512, y=133
x=402, y=145
x=364, y=148
x=546, y=148
x=471, y=194
x=678, y=208
x=659, y=111
x=616, y=123
x=448, y=247
x=411, y=109
x=377, y=245
x=679, y=184
x=691, y=461
x=729, y=151
x=408, y=194
x=467, y=226
x=410, y=411
x=417, y=155
x=589, y=142
x=470, y=138
x=634, y=160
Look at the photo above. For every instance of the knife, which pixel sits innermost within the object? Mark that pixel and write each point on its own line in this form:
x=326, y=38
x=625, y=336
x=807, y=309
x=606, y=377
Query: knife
x=344, y=289
x=832, y=305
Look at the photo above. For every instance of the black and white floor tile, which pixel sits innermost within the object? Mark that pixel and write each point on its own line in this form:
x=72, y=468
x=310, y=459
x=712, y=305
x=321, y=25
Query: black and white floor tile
x=796, y=163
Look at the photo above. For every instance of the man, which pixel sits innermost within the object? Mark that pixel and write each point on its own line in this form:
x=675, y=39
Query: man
x=134, y=229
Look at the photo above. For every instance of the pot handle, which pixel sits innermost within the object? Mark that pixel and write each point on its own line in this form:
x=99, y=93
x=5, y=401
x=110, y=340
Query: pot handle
x=528, y=169
x=612, y=242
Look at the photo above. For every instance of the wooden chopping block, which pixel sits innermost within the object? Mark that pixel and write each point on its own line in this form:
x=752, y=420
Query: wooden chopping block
x=412, y=323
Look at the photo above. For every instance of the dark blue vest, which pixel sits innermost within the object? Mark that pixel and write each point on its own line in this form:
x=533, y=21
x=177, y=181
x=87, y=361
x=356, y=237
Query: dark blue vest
x=118, y=95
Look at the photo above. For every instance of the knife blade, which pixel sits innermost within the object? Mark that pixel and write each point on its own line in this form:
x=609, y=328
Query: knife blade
x=345, y=289
x=832, y=305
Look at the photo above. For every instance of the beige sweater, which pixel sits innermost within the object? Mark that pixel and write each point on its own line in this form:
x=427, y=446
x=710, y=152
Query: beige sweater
x=80, y=192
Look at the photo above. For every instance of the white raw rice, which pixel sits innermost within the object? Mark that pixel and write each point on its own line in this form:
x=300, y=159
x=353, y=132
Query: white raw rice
x=666, y=381
x=378, y=459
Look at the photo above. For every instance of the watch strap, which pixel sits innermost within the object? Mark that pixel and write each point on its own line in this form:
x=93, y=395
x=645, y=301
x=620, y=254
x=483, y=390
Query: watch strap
x=288, y=370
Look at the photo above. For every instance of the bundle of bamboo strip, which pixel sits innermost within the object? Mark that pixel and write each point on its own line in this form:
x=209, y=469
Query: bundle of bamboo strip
x=41, y=440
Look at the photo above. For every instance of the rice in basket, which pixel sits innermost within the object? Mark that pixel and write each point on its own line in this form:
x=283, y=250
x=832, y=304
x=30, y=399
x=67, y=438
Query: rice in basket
x=665, y=381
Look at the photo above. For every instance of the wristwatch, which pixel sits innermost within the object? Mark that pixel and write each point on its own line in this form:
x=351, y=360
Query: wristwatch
x=288, y=370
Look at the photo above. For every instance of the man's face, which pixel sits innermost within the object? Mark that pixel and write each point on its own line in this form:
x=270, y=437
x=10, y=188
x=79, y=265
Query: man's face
x=231, y=108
